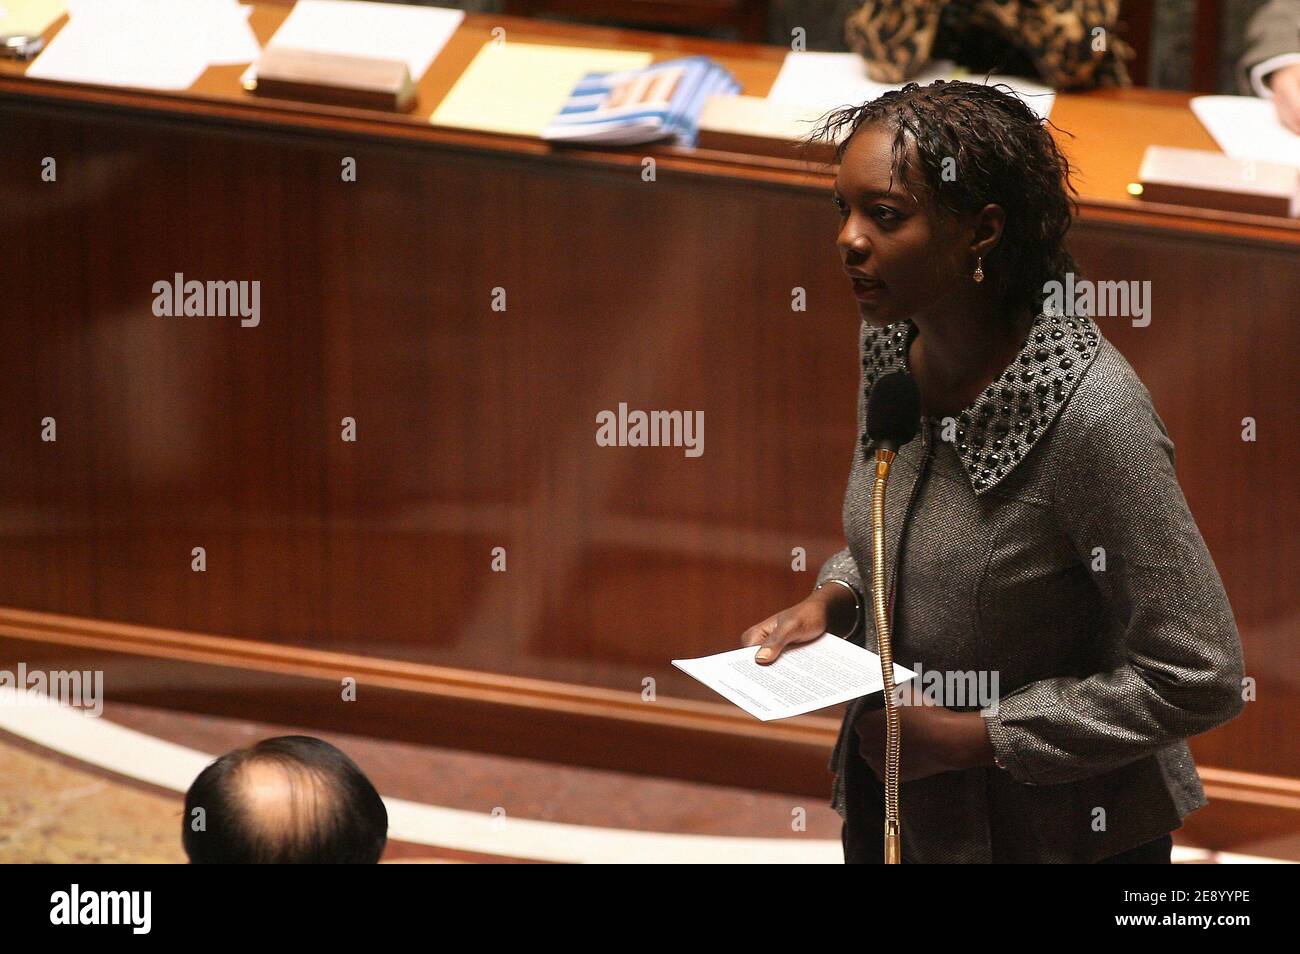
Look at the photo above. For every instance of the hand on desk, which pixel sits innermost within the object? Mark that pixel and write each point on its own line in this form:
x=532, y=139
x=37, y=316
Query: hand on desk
x=1285, y=84
x=933, y=739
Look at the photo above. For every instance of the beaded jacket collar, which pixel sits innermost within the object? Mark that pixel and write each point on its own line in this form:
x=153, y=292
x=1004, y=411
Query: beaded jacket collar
x=996, y=432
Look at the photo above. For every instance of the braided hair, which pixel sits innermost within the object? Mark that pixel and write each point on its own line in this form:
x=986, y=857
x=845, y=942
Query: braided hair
x=969, y=145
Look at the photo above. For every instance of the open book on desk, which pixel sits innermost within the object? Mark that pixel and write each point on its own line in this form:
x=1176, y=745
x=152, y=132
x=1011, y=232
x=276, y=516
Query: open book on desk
x=804, y=678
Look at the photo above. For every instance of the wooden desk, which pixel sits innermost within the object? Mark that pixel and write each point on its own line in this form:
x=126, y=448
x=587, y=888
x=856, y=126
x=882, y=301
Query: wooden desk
x=372, y=559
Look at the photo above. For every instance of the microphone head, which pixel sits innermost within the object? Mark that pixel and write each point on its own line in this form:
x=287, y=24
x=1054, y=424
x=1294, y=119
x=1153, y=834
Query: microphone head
x=893, y=410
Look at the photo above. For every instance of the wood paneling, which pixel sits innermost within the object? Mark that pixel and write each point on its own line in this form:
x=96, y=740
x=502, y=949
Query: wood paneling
x=475, y=428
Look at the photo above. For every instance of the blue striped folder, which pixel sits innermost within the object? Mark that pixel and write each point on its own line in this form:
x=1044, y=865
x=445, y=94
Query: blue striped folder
x=625, y=107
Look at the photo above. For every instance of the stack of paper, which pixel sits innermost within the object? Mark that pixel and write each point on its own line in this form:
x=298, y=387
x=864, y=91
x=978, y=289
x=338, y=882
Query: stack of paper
x=29, y=17
x=832, y=80
x=386, y=31
x=1248, y=128
x=804, y=678
x=662, y=101
x=152, y=44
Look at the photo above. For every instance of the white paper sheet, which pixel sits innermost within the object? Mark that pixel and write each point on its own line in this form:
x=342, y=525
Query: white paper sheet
x=389, y=31
x=1247, y=128
x=29, y=16
x=152, y=44
x=831, y=80
x=804, y=678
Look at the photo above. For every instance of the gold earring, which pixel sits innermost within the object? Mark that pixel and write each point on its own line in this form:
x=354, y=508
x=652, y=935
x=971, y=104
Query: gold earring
x=979, y=269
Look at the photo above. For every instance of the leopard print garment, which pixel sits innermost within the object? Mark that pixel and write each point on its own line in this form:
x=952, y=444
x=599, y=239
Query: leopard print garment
x=896, y=37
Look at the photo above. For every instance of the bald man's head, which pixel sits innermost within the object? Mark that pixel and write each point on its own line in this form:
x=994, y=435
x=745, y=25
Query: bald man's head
x=289, y=800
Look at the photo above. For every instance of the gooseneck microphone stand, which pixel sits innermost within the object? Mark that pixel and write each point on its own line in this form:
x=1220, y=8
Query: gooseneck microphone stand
x=893, y=838
x=893, y=418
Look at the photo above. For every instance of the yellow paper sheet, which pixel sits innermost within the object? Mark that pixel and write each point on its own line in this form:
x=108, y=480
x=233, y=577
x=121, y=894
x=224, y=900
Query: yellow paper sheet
x=29, y=16
x=517, y=88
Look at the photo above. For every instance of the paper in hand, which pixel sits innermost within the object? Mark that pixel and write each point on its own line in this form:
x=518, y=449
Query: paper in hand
x=804, y=678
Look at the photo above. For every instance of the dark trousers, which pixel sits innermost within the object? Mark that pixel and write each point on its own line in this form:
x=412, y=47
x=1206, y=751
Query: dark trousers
x=864, y=842
x=1155, y=852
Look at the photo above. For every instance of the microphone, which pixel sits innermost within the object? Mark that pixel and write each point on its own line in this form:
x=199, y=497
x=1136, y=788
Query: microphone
x=893, y=418
x=894, y=411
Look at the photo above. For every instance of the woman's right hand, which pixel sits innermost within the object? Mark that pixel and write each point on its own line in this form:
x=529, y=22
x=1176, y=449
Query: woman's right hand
x=801, y=623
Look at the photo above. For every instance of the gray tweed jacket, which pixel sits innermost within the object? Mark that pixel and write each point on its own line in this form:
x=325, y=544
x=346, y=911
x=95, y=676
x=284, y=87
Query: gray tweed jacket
x=1043, y=537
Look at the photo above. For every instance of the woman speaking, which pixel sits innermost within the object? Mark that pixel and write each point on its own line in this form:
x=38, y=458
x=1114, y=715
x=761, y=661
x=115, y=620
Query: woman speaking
x=1036, y=534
